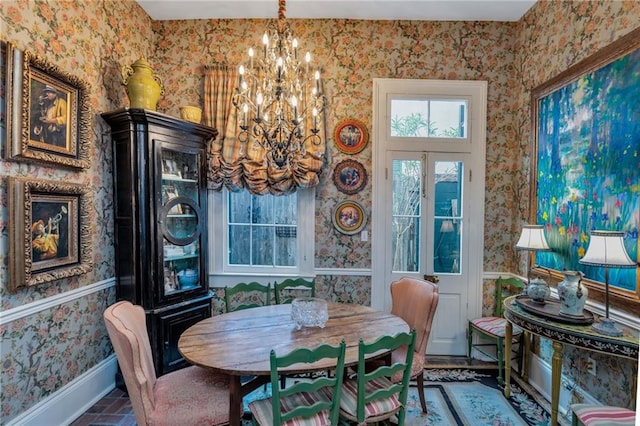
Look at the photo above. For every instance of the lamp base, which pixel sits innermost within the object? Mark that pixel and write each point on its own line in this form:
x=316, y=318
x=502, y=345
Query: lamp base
x=607, y=326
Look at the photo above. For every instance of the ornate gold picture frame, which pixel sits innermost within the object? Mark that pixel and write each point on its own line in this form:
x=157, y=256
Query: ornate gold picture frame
x=349, y=217
x=350, y=176
x=48, y=112
x=351, y=136
x=49, y=231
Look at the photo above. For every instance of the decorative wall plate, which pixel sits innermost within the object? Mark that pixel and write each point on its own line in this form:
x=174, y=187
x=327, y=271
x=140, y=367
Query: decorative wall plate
x=351, y=136
x=349, y=176
x=349, y=217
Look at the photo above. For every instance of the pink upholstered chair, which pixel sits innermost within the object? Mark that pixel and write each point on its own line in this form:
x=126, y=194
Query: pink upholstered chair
x=598, y=415
x=191, y=396
x=415, y=301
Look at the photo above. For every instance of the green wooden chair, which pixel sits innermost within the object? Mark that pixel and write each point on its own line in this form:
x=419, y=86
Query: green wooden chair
x=372, y=396
x=284, y=291
x=253, y=295
x=491, y=330
x=314, y=401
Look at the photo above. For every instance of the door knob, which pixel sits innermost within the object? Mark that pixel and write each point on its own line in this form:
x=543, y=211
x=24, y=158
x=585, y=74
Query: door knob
x=433, y=278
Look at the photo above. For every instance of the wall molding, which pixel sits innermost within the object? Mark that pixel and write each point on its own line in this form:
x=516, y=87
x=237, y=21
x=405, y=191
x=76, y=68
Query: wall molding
x=540, y=380
x=362, y=272
x=33, y=308
x=72, y=400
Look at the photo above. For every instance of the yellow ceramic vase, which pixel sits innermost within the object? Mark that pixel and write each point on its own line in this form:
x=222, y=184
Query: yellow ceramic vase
x=143, y=86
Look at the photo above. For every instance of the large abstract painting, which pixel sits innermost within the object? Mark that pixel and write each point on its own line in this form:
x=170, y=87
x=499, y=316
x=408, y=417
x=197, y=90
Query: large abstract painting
x=587, y=176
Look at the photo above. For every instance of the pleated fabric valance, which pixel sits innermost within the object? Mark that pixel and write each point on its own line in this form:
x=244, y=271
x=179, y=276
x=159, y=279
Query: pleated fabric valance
x=239, y=165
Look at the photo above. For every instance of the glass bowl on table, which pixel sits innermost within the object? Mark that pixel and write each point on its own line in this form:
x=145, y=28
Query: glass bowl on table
x=309, y=312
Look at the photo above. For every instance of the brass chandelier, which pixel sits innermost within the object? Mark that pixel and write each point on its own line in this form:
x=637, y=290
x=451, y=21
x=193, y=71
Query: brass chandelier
x=279, y=97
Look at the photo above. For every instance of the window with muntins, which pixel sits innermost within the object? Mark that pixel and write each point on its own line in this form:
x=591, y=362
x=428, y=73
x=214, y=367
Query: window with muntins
x=261, y=235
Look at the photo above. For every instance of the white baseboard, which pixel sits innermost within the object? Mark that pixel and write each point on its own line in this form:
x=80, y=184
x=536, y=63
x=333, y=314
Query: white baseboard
x=70, y=402
x=540, y=380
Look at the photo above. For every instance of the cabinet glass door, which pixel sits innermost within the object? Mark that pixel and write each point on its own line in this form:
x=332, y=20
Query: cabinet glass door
x=180, y=220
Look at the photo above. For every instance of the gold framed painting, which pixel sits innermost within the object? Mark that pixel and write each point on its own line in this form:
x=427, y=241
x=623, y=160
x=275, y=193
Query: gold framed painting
x=350, y=176
x=585, y=168
x=351, y=136
x=349, y=217
x=48, y=112
x=49, y=231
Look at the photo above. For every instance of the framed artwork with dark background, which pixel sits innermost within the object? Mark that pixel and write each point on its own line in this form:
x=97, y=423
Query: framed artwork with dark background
x=49, y=229
x=48, y=112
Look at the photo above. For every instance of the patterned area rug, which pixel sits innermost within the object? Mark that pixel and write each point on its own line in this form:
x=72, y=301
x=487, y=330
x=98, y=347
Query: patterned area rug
x=462, y=397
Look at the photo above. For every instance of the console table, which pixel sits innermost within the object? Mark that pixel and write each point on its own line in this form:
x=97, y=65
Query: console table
x=560, y=333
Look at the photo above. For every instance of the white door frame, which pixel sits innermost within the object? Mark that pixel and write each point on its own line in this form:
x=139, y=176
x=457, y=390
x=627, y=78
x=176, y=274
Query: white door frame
x=477, y=91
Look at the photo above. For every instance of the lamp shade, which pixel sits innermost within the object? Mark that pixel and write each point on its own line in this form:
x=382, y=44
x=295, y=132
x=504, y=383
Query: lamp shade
x=532, y=238
x=447, y=226
x=606, y=248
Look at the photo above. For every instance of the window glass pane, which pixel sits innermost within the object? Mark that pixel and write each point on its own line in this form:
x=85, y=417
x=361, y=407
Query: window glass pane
x=239, y=247
x=262, y=242
x=262, y=229
x=286, y=246
x=405, y=245
x=285, y=209
x=262, y=211
x=448, y=219
x=239, y=207
x=442, y=118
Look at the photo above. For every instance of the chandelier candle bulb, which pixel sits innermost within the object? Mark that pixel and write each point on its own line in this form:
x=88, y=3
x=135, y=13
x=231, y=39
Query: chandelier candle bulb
x=251, y=58
x=295, y=48
x=265, y=42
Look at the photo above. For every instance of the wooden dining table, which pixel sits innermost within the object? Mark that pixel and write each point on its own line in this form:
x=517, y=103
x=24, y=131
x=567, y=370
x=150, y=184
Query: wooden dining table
x=238, y=343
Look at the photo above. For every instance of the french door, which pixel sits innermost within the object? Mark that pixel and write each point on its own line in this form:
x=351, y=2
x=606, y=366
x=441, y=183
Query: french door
x=428, y=204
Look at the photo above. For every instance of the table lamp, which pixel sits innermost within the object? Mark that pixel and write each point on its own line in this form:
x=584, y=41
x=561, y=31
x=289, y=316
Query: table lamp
x=606, y=249
x=532, y=239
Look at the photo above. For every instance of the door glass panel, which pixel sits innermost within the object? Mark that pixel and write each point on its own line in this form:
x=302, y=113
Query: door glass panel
x=181, y=220
x=447, y=217
x=429, y=118
x=406, y=210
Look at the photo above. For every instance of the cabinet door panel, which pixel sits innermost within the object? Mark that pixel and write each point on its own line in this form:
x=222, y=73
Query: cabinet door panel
x=172, y=325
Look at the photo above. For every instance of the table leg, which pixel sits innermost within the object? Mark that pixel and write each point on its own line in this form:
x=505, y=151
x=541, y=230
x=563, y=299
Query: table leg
x=235, y=401
x=525, y=356
x=508, y=335
x=556, y=373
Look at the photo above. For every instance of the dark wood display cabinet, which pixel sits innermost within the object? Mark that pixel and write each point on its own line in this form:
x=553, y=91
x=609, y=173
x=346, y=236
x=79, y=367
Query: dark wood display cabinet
x=159, y=174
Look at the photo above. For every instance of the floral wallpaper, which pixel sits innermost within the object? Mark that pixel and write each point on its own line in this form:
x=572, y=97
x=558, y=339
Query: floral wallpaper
x=92, y=40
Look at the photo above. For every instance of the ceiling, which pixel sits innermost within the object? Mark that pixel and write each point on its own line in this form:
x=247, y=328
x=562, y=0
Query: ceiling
x=425, y=10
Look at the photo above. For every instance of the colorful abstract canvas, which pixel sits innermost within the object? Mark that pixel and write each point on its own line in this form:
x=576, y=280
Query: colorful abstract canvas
x=588, y=166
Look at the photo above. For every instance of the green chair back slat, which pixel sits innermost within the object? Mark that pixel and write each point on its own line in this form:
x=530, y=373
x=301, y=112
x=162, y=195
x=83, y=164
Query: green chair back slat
x=501, y=285
x=308, y=356
x=247, y=289
x=292, y=284
x=385, y=343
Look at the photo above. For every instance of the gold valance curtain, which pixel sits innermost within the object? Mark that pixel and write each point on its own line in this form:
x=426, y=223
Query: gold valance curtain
x=238, y=165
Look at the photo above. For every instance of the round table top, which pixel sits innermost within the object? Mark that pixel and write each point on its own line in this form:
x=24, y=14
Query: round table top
x=239, y=343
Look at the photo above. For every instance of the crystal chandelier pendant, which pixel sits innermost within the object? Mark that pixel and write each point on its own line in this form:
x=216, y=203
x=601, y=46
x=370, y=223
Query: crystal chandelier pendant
x=279, y=97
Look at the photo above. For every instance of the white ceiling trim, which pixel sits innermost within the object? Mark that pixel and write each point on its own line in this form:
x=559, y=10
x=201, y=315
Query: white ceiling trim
x=422, y=10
